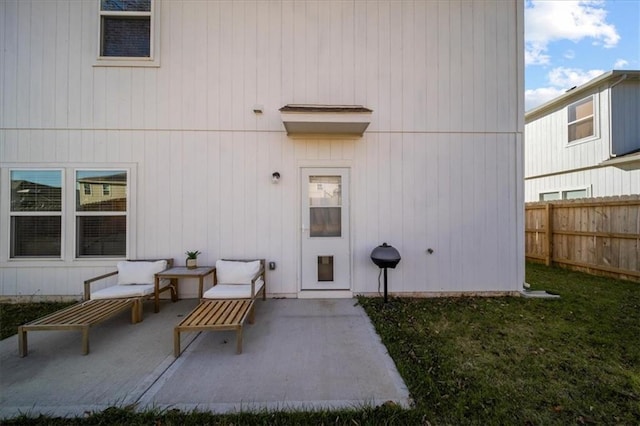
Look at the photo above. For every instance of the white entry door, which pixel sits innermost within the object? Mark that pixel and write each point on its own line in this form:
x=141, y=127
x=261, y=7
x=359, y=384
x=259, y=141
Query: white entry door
x=326, y=259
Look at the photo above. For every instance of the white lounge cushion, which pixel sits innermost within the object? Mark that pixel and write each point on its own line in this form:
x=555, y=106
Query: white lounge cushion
x=139, y=272
x=123, y=291
x=233, y=291
x=236, y=272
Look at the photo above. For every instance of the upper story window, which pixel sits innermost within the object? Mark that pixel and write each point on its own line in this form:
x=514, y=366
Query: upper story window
x=128, y=33
x=581, y=119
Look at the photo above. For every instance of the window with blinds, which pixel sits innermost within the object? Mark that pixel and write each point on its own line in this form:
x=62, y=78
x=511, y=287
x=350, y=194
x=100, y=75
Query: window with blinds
x=36, y=213
x=95, y=210
x=101, y=216
x=126, y=28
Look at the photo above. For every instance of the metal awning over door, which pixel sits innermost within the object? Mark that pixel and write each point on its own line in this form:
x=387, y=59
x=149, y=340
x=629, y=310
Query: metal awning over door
x=328, y=120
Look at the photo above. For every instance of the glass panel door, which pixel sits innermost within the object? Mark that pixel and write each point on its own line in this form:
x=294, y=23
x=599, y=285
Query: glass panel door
x=325, y=242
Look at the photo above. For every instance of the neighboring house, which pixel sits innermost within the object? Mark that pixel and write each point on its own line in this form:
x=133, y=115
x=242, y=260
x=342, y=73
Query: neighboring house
x=585, y=143
x=157, y=127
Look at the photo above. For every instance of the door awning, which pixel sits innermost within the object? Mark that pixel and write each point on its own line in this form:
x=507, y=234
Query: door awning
x=329, y=120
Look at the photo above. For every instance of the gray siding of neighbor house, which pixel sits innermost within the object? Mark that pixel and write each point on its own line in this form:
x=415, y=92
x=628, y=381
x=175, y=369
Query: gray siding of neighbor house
x=625, y=118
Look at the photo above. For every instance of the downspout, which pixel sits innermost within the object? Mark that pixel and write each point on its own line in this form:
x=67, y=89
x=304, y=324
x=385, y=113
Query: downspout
x=620, y=80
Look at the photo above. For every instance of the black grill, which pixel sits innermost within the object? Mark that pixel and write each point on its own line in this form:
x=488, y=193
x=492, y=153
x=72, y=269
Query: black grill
x=385, y=256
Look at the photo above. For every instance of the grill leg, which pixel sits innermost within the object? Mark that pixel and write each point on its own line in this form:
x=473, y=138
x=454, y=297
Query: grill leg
x=385, y=285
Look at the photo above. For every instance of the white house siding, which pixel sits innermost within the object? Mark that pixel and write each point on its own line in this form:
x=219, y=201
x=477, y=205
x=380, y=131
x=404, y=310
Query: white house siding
x=548, y=152
x=599, y=182
x=439, y=167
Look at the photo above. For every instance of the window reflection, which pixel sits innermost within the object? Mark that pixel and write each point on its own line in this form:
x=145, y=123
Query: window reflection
x=36, y=190
x=91, y=194
x=325, y=206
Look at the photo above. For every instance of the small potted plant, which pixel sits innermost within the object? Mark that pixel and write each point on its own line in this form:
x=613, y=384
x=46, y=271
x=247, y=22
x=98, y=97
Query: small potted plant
x=192, y=259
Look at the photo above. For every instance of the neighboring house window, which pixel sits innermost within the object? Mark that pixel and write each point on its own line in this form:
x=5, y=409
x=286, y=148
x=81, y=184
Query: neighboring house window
x=125, y=28
x=43, y=201
x=549, y=196
x=36, y=213
x=564, y=195
x=573, y=194
x=581, y=119
x=101, y=218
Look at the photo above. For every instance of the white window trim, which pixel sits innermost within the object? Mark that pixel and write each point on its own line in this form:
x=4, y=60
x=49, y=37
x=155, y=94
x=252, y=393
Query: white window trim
x=154, y=49
x=68, y=238
x=594, y=117
x=561, y=192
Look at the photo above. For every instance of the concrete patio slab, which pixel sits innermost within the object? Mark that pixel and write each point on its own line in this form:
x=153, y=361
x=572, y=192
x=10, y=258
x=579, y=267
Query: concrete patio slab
x=299, y=354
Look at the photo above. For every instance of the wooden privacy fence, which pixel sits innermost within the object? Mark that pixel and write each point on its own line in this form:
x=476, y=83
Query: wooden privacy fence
x=598, y=235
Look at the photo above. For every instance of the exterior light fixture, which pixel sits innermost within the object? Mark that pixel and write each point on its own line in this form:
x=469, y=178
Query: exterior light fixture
x=275, y=177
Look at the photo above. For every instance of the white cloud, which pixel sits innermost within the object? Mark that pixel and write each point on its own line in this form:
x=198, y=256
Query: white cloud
x=534, y=55
x=569, y=54
x=568, y=77
x=620, y=64
x=560, y=80
x=549, y=21
x=535, y=97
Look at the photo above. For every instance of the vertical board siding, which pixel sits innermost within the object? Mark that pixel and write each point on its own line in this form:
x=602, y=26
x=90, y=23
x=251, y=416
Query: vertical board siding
x=419, y=57
x=441, y=78
x=625, y=110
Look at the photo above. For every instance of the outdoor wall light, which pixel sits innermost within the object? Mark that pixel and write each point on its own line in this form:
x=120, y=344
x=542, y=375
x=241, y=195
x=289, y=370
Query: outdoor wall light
x=275, y=177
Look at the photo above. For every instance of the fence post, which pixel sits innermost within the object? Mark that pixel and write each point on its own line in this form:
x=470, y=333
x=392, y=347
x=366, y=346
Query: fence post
x=549, y=234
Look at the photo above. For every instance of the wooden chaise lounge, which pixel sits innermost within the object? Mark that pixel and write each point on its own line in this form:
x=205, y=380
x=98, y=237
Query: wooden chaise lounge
x=214, y=315
x=135, y=283
x=229, y=303
x=79, y=317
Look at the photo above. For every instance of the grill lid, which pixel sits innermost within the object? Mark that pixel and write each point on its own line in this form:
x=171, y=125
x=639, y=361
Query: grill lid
x=385, y=256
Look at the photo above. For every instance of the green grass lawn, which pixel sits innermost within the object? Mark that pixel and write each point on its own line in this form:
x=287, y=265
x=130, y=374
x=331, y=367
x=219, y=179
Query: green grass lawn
x=14, y=314
x=502, y=361
x=573, y=360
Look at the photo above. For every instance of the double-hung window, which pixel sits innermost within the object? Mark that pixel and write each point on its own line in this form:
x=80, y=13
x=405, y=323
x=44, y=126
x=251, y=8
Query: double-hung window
x=581, y=119
x=128, y=32
x=68, y=213
x=36, y=213
x=101, y=218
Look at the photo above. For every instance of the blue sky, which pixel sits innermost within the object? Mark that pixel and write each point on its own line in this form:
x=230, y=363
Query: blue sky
x=567, y=43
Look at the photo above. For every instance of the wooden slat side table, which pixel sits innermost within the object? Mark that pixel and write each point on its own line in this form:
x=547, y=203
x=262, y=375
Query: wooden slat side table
x=181, y=272
x=215, y=315
x=78, y=317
